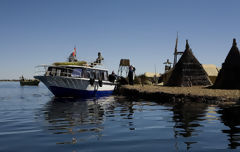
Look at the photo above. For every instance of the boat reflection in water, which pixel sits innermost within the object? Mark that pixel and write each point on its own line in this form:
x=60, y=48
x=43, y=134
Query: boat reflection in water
x=116, y=122
x=86, y=119
x=231, y=118
x=73, y=116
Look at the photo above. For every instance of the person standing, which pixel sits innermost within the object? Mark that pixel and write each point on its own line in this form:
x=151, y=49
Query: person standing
x=131, y=74
x=112, y=77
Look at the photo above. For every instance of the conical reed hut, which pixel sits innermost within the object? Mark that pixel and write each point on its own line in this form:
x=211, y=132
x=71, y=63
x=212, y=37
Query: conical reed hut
x=188, y=71
x=229, y=75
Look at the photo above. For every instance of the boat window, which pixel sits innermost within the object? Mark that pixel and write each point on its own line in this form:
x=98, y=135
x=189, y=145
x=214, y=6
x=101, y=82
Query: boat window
x=87, y=73
x=77, y=72
x=53, y=73
x=97, y=72
x=64, y=72
x=105, y=75
x=48, y=71
x=69, y=71
x=84, y=73
x=58, y=72
x=101, y=75
x=49, y=68
x=93, y=74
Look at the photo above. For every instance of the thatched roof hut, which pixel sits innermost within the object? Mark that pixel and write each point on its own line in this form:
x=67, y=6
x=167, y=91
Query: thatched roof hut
x=212, y=71
x=229, y=75
x=188, y=71
x=151, y=75
x=165, y=76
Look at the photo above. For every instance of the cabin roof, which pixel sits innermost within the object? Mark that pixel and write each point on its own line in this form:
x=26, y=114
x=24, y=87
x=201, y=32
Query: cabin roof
x=77, y=66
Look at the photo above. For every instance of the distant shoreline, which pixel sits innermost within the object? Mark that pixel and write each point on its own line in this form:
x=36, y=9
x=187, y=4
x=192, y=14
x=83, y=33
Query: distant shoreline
x=13, y=80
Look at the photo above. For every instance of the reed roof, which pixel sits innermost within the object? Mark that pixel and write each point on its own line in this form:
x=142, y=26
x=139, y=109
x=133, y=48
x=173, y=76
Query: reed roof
x=211, y=69
x=188, y=71
x=229, y=75
x=151, y=74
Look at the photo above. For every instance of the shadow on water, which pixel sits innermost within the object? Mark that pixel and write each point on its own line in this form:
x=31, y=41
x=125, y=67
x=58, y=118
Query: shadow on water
x=231, y=118
x=187, y=117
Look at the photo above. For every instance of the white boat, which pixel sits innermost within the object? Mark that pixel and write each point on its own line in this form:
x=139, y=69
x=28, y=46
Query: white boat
x=75, y=81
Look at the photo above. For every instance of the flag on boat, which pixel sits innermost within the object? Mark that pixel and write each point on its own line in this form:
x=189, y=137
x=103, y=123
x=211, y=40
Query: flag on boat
x=74, y=52
x=73, y=57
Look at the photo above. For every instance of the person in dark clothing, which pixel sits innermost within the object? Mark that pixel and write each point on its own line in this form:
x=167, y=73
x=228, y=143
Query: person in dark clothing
x=99, y=59
x=112, y=77
x=131, y=74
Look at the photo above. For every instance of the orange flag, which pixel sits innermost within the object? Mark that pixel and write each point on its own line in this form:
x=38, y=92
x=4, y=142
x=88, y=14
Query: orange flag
x=74, y=52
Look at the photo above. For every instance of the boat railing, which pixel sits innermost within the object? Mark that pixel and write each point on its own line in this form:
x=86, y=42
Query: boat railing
x=49, y=70
x=40, y=70
x=43, y=70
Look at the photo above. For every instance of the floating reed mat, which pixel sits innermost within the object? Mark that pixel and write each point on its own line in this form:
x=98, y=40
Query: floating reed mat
x=181, y=94
x=80, y=63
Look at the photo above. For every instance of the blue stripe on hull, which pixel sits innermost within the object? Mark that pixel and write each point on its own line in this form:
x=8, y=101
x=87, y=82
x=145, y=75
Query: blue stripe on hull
x=67, y=92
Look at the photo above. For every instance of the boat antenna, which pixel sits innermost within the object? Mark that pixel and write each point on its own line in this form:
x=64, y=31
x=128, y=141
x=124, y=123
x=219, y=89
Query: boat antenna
x=155, y=69
x=155, y=75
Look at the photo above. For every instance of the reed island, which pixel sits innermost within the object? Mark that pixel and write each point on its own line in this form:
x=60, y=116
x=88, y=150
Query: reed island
x=189, y=81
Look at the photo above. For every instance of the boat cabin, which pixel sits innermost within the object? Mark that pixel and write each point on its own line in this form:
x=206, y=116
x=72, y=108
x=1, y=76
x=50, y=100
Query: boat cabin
x=77, y=72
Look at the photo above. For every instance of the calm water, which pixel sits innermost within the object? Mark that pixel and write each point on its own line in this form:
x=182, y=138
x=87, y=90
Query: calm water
x=31, y=119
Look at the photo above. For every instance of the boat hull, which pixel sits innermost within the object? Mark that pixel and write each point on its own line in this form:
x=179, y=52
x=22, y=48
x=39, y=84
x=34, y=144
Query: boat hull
x=29, y=82
x=76, y=87
x=68, y=92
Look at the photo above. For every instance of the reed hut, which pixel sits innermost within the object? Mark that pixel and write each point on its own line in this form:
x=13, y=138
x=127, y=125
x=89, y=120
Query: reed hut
x=229, y=75
x=151, y=75
x=212, y=71
x=165, y=77
x=188, y=71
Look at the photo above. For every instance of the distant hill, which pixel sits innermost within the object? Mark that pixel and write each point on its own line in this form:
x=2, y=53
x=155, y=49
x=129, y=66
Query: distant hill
x=9, y=80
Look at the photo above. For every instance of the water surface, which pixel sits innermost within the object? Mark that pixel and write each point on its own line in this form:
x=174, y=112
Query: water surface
x=32, y=119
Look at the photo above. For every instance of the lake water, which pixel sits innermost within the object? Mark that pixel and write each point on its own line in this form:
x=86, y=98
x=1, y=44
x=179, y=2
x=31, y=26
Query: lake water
x=31, y=119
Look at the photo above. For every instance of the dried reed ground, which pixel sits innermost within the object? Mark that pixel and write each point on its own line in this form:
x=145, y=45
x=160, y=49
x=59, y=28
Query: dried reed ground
x=196, y=90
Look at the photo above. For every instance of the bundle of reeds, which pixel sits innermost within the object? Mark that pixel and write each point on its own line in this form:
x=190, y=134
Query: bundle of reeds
x=80, y=63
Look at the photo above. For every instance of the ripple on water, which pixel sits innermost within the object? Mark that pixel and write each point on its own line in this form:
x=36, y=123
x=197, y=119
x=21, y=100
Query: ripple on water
x=32, y=115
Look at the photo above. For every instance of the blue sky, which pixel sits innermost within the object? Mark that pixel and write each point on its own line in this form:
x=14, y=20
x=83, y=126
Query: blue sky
x=37, y=32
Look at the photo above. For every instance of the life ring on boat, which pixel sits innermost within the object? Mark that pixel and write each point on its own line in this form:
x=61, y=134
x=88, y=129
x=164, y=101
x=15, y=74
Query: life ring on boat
x=91, y=81
x=100, y=83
